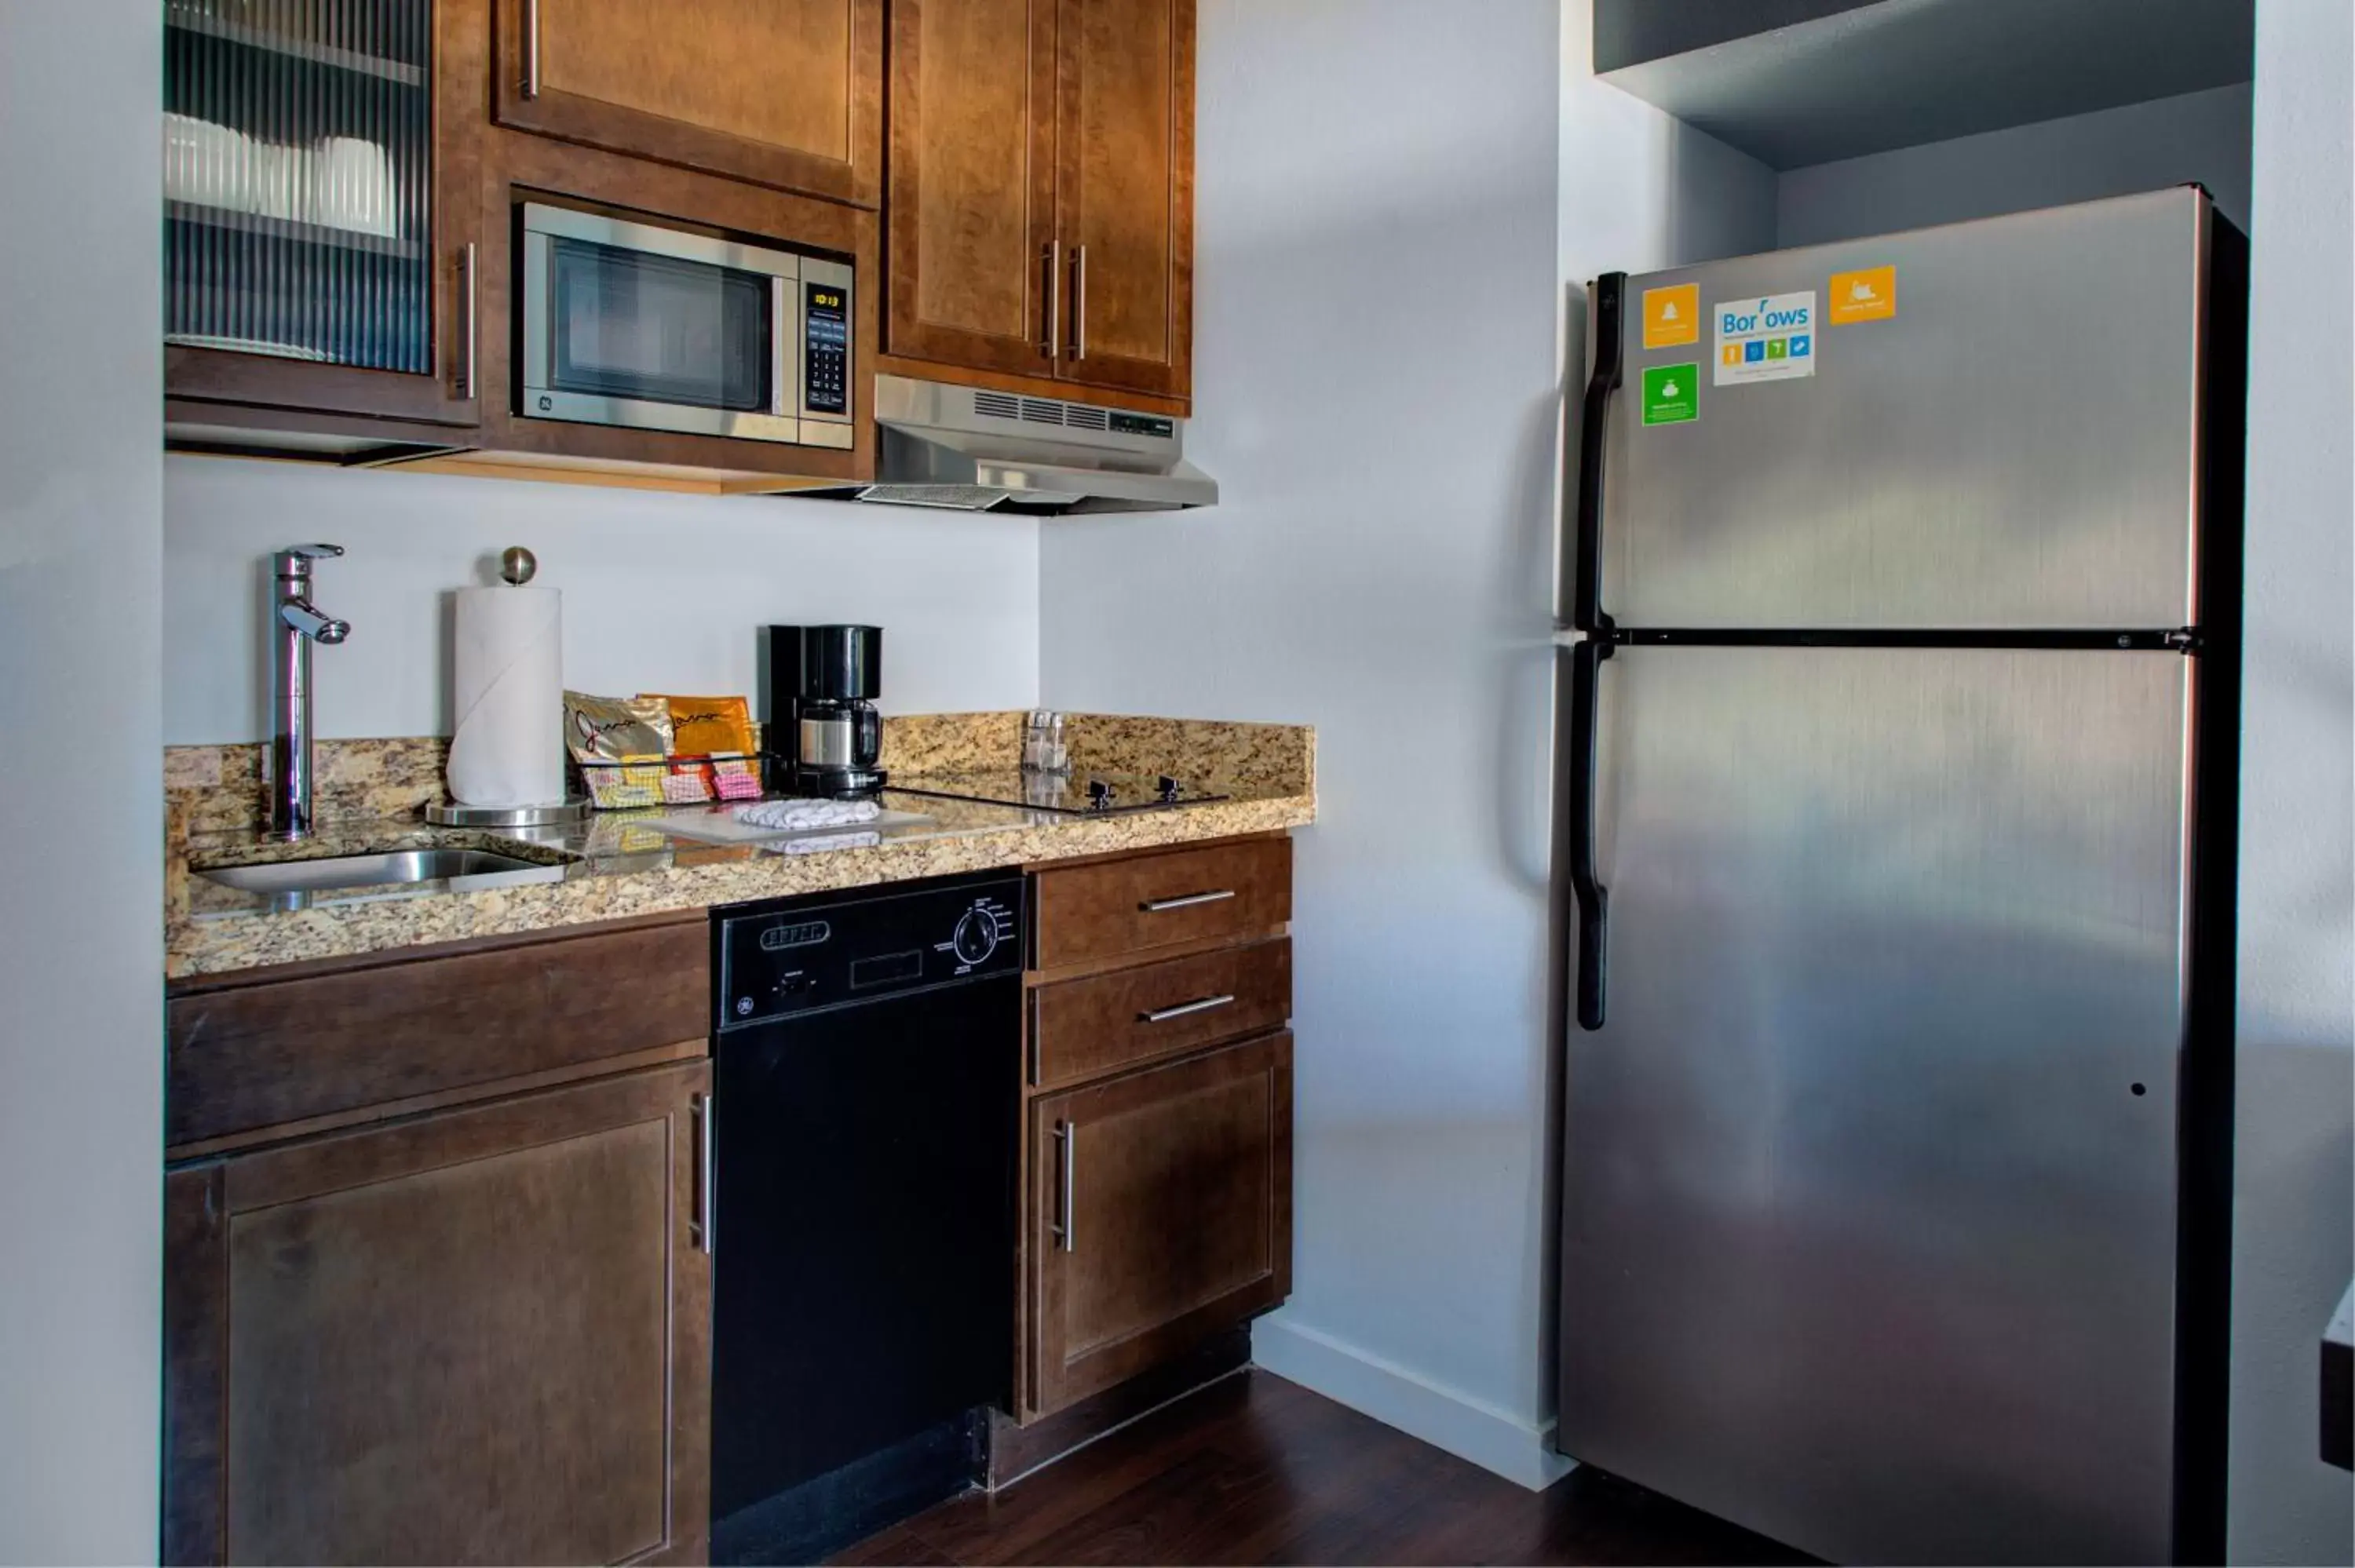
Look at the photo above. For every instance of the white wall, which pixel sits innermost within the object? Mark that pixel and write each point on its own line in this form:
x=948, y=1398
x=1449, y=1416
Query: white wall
x=2201, y=136
x=662, y=591
x=82, y=958
x=1376, y=356
x=2293, y=1214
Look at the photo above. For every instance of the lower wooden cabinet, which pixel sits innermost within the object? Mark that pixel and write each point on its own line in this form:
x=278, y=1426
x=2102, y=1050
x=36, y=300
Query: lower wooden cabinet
x=478, y=1335
x=1160, y=1212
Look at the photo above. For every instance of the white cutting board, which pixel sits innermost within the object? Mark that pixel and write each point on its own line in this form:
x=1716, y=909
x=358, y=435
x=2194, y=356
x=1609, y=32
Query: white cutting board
x=721, y=827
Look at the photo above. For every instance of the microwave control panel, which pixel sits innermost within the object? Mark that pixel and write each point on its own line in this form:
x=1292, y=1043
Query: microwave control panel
x=825, y=349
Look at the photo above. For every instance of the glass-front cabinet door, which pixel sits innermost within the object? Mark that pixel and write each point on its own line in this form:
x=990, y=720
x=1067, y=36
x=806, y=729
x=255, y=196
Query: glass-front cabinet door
x=310, y=259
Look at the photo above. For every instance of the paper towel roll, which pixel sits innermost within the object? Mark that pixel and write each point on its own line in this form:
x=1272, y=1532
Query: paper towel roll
x=508, y=687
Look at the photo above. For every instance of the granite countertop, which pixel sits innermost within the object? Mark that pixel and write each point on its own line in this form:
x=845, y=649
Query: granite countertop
x=617, y=864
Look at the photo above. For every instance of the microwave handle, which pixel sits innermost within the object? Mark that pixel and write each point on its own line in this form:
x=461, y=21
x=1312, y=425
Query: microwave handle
x=781, y=385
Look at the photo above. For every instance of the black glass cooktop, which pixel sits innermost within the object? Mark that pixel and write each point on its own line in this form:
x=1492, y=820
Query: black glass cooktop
x=1075, y=794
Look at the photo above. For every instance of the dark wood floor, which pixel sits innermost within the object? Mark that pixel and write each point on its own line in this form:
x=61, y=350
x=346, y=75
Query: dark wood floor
x=1256, y=1469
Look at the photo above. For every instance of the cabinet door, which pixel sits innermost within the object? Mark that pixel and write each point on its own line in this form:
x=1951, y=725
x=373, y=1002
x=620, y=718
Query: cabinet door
x=479, y=1336
x=321, y=211
x=779, y=92
x=1126, y=192
x=972, y=182
x=1160, y=1213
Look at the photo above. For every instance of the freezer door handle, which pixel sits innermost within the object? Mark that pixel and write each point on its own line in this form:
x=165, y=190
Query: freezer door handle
x=1593, y=900
x=1586, y=541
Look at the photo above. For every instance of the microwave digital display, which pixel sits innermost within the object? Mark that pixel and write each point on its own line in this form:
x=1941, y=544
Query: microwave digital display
x=827, y=350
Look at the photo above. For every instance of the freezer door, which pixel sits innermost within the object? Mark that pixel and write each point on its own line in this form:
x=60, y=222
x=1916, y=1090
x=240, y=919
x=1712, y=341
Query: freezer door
x=2002, y=436
x=1869, y=1193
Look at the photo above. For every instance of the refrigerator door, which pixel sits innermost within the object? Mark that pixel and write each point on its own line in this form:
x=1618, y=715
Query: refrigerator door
x=2003, y=435
x=1868, y=1198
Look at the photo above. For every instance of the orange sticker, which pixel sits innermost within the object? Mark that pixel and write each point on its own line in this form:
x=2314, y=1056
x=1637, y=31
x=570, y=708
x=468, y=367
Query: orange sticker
x=1866, y=296
x=1732, y=354
x=1672, y=316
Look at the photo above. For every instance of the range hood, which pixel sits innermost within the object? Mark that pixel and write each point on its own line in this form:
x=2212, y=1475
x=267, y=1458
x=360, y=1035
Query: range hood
x=969, y=449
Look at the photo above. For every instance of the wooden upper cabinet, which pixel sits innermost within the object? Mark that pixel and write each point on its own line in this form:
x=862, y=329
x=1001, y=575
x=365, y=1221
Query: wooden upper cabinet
x=1040, y=220
x=1126, y=192
x=971, y=214
x=322, y=166
x=778, y=93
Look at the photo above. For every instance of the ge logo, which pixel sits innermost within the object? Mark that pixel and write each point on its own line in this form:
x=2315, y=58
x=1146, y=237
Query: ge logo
x=545, y=403
x=743, y=1005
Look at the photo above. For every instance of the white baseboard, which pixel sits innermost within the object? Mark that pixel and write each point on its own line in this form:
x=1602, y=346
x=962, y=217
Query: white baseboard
x=1493, y=1438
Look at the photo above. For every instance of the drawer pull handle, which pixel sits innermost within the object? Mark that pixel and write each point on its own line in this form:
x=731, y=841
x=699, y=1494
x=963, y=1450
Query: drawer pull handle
x=1155, y=905
x=1164, y=1014
x=1068, y=1135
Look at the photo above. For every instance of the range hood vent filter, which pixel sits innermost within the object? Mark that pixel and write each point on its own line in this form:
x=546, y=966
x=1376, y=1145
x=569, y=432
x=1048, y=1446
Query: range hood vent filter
x=956, y=448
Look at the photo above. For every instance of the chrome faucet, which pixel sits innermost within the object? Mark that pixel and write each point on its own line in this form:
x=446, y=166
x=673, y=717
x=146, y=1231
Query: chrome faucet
x=294, y=624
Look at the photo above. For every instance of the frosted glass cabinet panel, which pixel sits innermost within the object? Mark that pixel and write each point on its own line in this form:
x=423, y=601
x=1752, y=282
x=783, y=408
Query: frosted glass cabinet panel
x=308, y=259
x=297, y=167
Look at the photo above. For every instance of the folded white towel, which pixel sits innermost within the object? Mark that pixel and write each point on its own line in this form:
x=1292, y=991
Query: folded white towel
x=794, y=815
x=817, y=841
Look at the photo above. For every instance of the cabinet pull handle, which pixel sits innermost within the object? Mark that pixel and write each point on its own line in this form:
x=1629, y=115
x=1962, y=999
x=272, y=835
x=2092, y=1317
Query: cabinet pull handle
x=1080, y=303
x=707, y=1147
x=468, y=360
x=1155, y=905
x=531, y=48
x=1067, y=1134
x=1054, y=344
x=1164, y=1014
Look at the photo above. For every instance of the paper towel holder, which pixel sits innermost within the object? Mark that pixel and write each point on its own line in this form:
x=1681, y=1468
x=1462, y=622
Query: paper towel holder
x=517, y=565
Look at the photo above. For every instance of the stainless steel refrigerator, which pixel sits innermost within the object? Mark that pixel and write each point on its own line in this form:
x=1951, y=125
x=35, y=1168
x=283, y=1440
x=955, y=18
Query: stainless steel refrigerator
x=1897, y=732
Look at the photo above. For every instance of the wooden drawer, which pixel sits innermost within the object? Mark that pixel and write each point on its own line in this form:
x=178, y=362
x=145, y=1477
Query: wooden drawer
x=411, y=1034
x=1085, y=1028
x=1085, y=913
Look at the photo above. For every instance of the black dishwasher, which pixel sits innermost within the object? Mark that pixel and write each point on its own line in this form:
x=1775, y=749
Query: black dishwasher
x=866, y=1102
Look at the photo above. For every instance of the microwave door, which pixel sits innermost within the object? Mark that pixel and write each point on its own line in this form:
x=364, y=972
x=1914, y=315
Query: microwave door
x=630, y=326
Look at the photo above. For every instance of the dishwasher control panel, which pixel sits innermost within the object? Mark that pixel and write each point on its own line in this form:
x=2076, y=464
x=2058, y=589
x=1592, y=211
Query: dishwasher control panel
x=799, y=955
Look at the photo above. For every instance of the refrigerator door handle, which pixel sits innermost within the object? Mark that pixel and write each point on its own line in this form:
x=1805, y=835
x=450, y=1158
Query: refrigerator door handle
x=1593, y=898
x=1606, y=301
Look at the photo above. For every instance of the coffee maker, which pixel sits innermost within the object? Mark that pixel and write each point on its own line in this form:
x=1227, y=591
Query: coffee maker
x=817, y=690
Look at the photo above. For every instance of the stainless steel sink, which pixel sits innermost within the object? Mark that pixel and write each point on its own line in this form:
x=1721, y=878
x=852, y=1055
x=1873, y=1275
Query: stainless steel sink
x=355, y=871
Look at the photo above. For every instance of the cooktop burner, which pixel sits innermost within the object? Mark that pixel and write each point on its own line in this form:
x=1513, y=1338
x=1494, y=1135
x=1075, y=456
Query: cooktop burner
x=1074, y=794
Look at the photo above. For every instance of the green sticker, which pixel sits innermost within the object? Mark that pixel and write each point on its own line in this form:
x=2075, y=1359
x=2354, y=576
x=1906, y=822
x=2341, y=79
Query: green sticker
x=1670, y=393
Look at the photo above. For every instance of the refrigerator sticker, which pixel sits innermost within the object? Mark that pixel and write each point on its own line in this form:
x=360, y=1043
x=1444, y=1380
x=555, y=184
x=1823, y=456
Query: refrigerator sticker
x=1769, y=339
x=1866, y=296
x=1669, y=394
x=1672, y=316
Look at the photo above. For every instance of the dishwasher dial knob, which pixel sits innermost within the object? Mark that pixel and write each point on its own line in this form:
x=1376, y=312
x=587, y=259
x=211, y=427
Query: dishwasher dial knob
x=976, y=937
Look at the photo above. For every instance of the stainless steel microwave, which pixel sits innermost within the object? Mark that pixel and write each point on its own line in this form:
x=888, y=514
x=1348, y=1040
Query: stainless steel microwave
x=655, y=329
